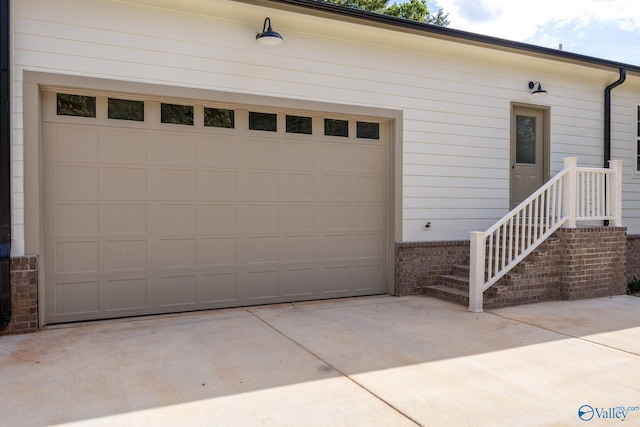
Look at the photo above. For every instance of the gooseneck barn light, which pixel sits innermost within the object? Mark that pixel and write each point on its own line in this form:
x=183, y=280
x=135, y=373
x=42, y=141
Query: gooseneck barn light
x=268, y=37
x=537, y=91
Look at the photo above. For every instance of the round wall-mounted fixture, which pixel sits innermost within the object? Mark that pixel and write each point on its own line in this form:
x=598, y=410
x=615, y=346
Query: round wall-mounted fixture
x=537, y=91
x=268, y=37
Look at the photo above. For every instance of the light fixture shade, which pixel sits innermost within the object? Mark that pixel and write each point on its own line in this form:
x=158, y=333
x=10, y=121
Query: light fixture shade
x=537, y=91
x=268, y=37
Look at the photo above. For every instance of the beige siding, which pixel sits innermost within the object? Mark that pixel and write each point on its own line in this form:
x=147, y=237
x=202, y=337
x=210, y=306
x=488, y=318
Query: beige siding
x=455, y=98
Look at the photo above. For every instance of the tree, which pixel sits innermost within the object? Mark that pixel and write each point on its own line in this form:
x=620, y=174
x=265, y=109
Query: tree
x=416, y=10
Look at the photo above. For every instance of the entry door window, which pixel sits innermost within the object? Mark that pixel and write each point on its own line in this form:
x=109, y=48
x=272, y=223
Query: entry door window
x=526, y=140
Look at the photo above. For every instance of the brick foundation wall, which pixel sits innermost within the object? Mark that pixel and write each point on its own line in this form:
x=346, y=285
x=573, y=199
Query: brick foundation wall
x=419, y=264
x=633, y=257
x=24, y=295
x=538, y=278
x=595, y=262
x=575, y=263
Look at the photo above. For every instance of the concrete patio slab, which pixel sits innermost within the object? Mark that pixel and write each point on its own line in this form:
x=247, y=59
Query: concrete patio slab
x=609, y=321
x=440, y=364
x=217, y=368
x=362, y=361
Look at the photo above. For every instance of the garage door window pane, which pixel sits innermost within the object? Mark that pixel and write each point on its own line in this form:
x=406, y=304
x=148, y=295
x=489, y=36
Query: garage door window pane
x=123, y=109
x=368, y=130
x=76, y=105
x=219, y=118
x=263, y=121
x=336, y=127
x=299, y=124
x=176, y=114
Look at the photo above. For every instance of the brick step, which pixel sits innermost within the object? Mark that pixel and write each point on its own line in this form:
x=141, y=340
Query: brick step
x=454, y=281
x=448, y=293
x=519, y=285
x=461, y=270
x=457, y=296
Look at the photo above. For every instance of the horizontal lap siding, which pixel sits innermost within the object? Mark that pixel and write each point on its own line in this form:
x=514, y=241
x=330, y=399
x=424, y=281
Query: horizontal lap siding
x=455, y=99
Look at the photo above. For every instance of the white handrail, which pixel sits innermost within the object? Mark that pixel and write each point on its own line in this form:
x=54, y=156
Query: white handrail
x=574, y=194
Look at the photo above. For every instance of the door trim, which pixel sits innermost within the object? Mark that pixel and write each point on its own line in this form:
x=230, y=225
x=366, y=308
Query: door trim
x=546, y=143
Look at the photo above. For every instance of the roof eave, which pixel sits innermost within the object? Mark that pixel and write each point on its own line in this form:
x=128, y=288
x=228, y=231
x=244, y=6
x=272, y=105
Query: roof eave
x=341, y=13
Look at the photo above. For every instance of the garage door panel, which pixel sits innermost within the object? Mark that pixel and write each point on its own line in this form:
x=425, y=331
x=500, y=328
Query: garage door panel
x=177, y=252
x=259, y=186
x=334, y=157
x=368, y=188
x=335, y=247
x=297, y=187
x=126, y=294
x=75, y=297
x=123, y=183
x=172, y=184
x=121, y=255
x=263, y=217
x=298, y=282
x=71, y=219
x=259, y=285
x=262, y=249
x=217, y=288
x=216, y=185
x=72, y=256
x=259, y=153
x=334, y=217
x=300, y=248
x=369, y=217
x=68, y=143
x=124, y=146
x=218, y=252
x=123, y=218
x=368, y=245
x=297, y=156
x=335, y=280
x=298, y=217
x=71, y=182
x=334, y=187
x=175, y=218
x=218, y=218
x=173, y=148
x=143, y=218
x=218, y=151
x=369, y=277
x=175, y=290
x=369, y=159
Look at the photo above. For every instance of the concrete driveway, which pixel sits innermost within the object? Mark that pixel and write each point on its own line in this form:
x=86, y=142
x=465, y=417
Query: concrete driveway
x=359, y=362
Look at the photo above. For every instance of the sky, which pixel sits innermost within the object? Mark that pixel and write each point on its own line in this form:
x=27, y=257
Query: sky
x=607, y=29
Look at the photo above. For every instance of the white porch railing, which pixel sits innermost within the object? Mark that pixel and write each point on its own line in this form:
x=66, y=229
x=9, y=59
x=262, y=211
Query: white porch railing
x=574, y=194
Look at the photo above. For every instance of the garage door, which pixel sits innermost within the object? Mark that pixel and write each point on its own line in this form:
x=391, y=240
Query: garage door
x=155, y=206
